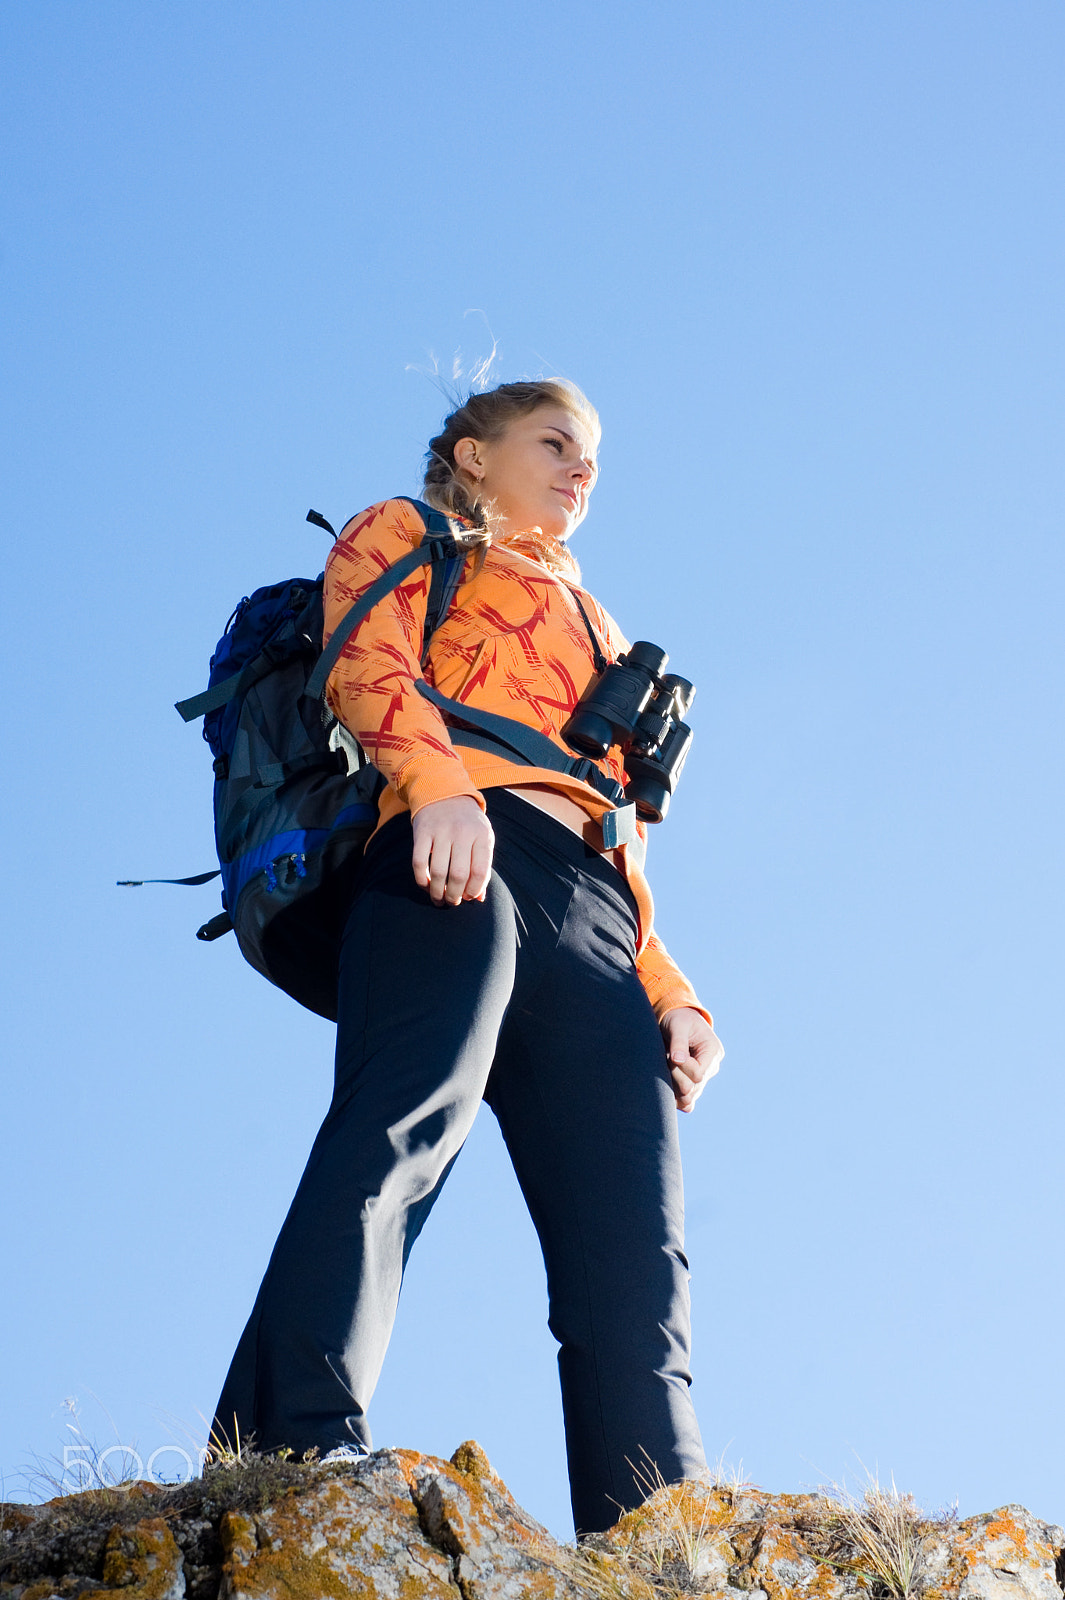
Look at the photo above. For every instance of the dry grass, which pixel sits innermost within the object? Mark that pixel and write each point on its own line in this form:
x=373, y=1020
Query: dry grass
x=85, y=1466
x=724, y=1475
x=883, y=1536
x=602, y=1576
x=222, y=1451
x=671, y=1538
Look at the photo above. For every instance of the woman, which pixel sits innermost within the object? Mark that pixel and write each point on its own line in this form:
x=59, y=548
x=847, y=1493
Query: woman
x=494, y=949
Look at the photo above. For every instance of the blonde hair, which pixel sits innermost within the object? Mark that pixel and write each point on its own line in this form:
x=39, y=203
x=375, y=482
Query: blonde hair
x=486, y=417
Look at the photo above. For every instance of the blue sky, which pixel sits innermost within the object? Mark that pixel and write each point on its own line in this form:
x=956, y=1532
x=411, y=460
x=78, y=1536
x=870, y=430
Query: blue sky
x=807, y=260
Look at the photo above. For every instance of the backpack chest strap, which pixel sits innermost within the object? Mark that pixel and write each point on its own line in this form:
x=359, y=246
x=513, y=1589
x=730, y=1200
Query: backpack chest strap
x=485, y=730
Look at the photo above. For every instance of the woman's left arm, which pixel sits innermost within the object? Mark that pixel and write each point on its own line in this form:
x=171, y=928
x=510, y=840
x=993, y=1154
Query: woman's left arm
x=694, y=1052
x=693, y=1049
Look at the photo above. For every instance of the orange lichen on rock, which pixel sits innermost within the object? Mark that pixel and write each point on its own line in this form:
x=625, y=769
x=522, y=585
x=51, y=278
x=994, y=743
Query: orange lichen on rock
x=39, y=1590
x=497, y=1549
x=1003, y=1555
x=355, y=1537
x=142, y=1563
x=471, y=1461
x=784, y=1565
x=13, y=1517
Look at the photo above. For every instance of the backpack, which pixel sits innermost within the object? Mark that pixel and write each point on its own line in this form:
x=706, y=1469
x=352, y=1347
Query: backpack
x=295, y=798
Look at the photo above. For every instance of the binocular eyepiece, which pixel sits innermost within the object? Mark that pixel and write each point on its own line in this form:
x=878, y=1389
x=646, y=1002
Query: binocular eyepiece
x=634, y=703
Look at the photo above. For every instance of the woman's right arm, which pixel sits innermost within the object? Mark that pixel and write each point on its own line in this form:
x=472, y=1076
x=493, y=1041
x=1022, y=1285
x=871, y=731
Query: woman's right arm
x=372, y=689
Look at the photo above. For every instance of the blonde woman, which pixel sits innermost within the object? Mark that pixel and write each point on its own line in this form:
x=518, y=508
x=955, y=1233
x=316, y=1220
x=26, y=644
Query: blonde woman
x=495, y=949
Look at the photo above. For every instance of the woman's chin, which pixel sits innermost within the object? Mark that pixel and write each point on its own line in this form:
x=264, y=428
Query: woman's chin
x=559, y=528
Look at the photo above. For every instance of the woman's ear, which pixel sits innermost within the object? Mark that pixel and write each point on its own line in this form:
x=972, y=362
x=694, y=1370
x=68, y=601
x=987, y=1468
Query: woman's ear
x=468, y=458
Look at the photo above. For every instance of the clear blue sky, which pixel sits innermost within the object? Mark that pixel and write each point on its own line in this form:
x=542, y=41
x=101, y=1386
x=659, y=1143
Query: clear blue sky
x=808, y=261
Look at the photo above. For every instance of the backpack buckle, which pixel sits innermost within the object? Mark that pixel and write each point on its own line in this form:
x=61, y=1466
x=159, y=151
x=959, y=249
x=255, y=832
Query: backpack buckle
x=586, y=770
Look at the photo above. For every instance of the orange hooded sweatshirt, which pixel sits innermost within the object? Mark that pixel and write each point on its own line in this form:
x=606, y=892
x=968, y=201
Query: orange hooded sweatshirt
x=514, y=642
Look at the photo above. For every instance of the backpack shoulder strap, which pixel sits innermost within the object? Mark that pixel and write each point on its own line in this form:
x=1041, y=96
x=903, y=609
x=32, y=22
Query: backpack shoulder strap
x=222, y=693
x=447, y=570
x=443, y=544
x=445, y=547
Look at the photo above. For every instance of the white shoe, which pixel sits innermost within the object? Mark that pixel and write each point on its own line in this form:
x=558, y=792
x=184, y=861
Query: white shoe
x=344, y=1452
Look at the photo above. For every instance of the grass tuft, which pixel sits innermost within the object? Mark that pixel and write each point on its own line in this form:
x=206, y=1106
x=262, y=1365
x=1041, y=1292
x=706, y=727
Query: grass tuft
x=668, y=1542
x=603, y=1576
x=86, y=1467
x=883, y=1536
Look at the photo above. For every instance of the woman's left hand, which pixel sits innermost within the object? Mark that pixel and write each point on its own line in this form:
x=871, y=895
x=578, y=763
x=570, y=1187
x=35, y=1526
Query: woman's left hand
x=694, y=1052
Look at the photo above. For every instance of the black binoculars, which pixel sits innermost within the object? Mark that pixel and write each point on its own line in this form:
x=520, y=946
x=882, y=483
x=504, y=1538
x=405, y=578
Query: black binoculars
x=635, y=705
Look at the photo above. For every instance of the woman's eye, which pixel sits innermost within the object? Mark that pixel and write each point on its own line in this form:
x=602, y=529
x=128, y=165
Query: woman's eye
x=559, y=446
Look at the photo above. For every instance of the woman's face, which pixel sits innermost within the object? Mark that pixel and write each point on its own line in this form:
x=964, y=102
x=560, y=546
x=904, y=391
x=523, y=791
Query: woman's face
x=538, y=474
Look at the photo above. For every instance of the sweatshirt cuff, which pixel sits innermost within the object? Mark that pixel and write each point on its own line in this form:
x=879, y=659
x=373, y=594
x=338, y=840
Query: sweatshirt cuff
x=666, y=991
x=436, y=780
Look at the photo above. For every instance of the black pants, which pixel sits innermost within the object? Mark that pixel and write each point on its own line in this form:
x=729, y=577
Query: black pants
x=530, y=1001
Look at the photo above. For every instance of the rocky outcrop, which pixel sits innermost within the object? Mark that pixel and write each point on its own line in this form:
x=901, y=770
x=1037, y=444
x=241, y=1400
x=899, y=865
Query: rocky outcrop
x=402, y=1526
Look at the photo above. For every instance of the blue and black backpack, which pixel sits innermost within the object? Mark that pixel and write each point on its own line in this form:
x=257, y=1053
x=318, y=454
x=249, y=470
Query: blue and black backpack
x=295, y=798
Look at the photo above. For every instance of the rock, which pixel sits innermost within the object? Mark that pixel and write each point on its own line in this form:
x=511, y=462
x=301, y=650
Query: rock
x=784, y=1564
x=1003, y=1555
x=402, y=1526
x=354, y=1534
x=138, y=1559
x=14, y=1518
x=498, y=1551
x=143, y=1562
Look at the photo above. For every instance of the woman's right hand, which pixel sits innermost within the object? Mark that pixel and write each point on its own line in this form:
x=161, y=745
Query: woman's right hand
x=453, y=845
